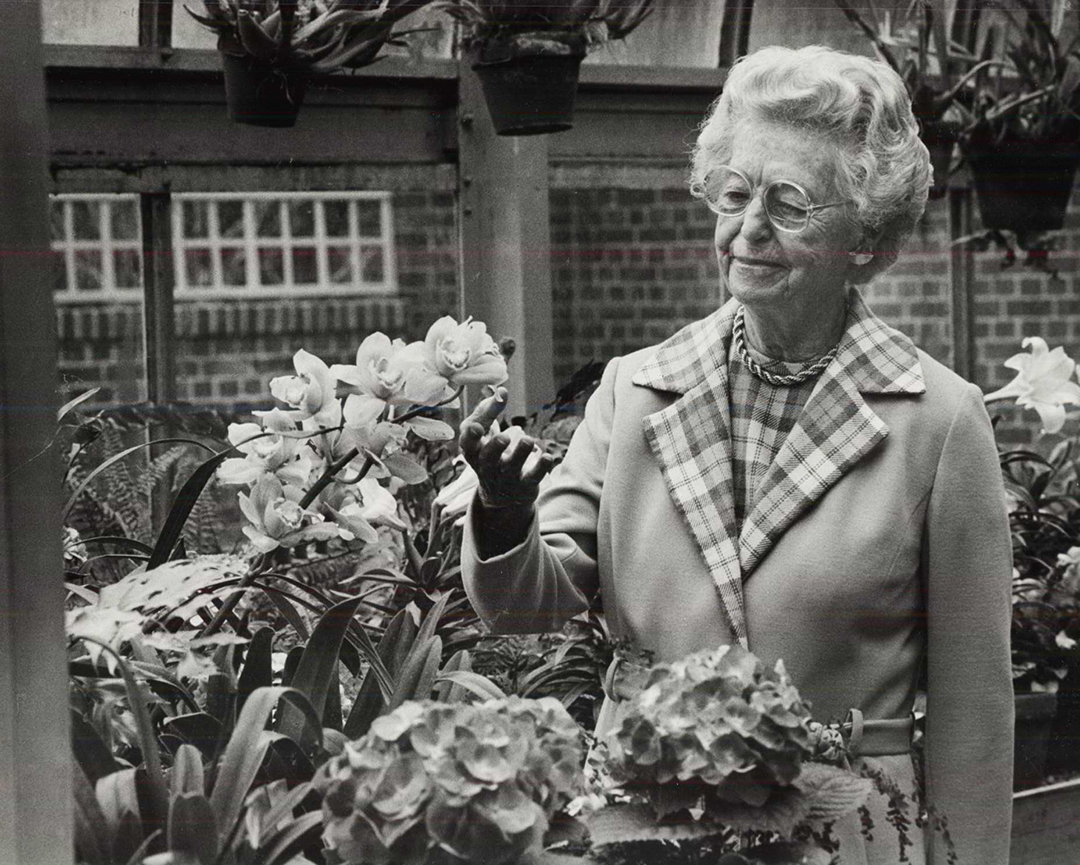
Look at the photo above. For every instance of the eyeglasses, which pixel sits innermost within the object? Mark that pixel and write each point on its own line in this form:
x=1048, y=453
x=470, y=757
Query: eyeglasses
x=728, y=192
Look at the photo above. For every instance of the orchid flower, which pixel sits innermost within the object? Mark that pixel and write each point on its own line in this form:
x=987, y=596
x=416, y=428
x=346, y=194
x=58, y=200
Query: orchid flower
x=376, y=380
x=276, y=518
x=1042, y=382
x=311, y=392
x=266, y=454
x=453, y=355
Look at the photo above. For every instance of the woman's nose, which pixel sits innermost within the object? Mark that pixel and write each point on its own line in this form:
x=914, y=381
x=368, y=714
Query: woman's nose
x=755, y=221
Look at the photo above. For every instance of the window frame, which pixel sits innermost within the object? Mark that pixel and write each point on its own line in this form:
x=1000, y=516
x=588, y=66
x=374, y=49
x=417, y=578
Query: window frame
x=106, y=244
x=251, y=242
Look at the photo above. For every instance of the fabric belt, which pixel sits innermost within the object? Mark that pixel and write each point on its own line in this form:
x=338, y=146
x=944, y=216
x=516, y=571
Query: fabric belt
x=862, y=737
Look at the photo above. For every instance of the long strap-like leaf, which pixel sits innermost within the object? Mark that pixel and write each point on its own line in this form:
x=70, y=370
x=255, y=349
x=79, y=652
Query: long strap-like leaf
x=318, y=666
x=245, y=751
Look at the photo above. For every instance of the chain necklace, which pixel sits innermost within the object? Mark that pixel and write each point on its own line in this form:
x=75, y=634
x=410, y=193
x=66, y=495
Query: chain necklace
x=738, y=334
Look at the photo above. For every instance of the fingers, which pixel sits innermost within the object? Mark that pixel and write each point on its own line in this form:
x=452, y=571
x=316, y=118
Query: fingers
x=476, y=425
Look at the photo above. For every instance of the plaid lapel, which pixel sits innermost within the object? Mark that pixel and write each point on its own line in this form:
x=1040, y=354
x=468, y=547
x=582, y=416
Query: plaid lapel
x=836, y=428
x=691, y=437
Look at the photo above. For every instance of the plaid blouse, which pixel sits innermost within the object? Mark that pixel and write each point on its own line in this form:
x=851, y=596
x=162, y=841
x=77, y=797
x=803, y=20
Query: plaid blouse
x=762, y=415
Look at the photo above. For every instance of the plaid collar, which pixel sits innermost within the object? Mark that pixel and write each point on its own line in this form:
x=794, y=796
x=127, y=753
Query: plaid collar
x=691, y=438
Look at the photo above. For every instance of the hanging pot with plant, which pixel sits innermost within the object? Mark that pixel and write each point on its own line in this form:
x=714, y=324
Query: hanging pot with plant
x=1022, y=141
x=271, y=48
x=905, y=45
x=528, y=55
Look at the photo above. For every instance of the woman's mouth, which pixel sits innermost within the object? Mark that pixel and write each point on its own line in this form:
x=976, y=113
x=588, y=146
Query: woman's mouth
x=749, y=264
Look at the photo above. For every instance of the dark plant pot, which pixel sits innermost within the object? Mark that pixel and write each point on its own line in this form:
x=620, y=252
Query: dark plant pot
x=940, y=142
x=1022, y=186
x=530, y=94
x=1063, y=750
x=1034, y=718
x=262, y=94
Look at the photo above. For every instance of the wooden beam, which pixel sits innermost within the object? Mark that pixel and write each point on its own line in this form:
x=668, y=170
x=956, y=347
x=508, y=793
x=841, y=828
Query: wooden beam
x=1045, y=828
x=735, y=31
x=961, y=269
x=35, y=759
x=505, y=244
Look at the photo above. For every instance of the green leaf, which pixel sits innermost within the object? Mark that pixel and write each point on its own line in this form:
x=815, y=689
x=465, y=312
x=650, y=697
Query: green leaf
x=147, y=739
x=417, y=676
x=258, y=670
x=187, y=771
x=111, y=461
x=193, y=828
x=93, y=757
x=200, y=729
x=61, y=412
x=116, y=794
x=403, y=466
x=317, y=670
x=245, y=751
x=482, y=686
x=430, y=429
x=286, y=843
x=394, y=647
x=445, y=689
x=91, y=831
x=185, y=500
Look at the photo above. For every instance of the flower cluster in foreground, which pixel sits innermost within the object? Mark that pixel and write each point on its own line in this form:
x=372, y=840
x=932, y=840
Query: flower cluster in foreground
x=446, y=782
x=313, y=468
x=717, y=718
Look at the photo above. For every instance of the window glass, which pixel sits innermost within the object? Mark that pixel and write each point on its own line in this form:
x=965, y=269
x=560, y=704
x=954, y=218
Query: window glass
x=90, y=22
x=97, y=285
x=283, y=243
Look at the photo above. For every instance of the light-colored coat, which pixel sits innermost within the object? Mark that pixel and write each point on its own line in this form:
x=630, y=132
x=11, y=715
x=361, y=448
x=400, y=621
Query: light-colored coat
x=879, y=538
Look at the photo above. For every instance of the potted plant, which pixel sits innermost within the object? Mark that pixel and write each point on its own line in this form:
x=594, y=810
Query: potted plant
x=528, y=55
x=1022, y=139
x=270, y=48
x=1044, y=519
x=905, y=46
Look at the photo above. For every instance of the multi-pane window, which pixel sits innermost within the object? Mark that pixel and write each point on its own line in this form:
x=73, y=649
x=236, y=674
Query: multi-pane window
x=97, y=245
x=266, y=244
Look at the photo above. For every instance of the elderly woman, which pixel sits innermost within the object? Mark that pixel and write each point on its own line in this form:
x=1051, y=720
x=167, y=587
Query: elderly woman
x=790, y=473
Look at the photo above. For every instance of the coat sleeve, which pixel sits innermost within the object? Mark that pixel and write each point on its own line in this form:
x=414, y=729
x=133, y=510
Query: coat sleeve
x=552, y=575
x=969, y=716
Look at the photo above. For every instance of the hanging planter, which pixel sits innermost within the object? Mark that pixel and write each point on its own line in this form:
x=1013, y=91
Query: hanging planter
x=269, y=50
x=260, y=93
x=528, y=55
x=940, y=140
x=530, y=82
x=1022, y=185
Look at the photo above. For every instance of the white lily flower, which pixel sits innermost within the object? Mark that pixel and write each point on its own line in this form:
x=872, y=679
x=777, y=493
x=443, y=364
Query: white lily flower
x=1042, y=382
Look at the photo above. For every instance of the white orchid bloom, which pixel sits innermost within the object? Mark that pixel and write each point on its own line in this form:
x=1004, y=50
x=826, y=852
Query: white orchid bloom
x=378, y=505
x=1042, y=382
x=266, y=454
x=276, y=518
x=311, y=392
x=376, y=380
x=453, y=355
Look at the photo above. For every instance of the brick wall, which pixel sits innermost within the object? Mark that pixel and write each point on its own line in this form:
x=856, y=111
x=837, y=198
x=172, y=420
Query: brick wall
x=228, y=350
x=632, y=261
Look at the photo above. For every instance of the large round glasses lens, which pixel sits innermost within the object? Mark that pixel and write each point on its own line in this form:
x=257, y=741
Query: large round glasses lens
x=727, y=191
x=787, y=206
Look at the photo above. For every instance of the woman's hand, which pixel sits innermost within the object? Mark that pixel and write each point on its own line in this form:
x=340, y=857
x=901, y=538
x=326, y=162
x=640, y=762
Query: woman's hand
x=509, y=467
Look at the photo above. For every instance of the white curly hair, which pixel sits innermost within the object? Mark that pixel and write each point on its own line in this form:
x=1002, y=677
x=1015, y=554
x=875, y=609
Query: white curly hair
x=858, y=103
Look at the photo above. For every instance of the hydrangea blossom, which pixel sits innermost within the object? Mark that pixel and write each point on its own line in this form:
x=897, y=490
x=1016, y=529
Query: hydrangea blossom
x=478, y=781
x=1042, y=382
x=717, y=718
